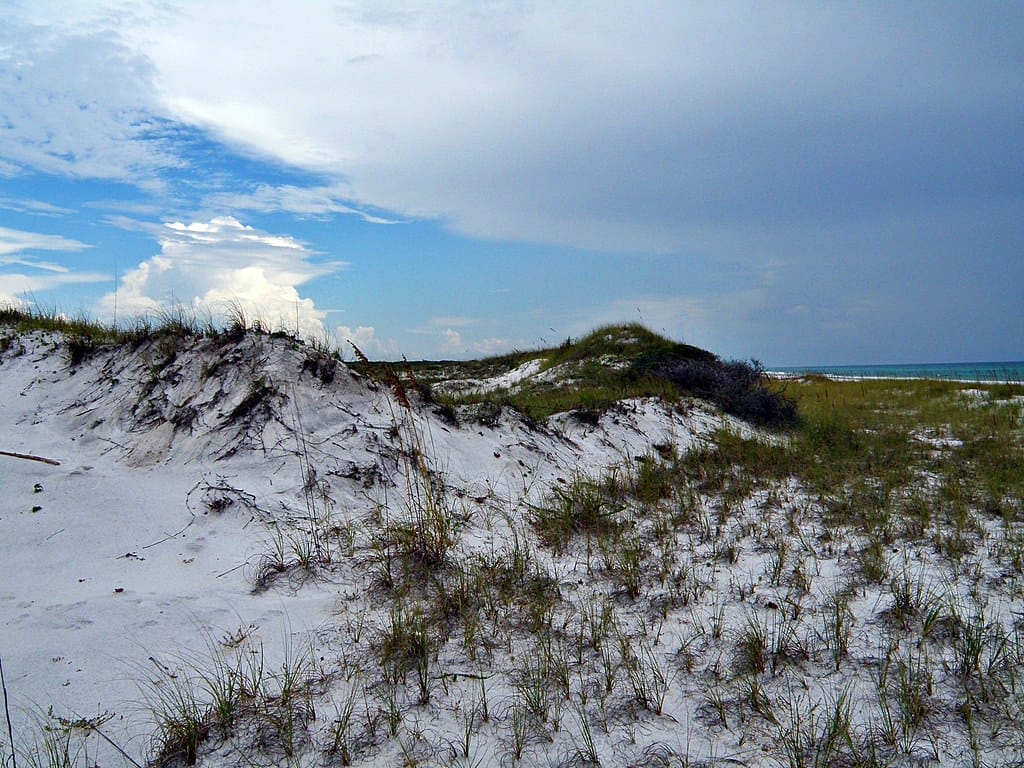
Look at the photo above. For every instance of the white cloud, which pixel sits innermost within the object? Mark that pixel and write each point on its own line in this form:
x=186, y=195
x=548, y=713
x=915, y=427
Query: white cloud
x=302, y=201
x=594, y=125
x=492, y=346
x=215, y=266
x=37, y=207
x=80, y=102
x=652, y=126
x=46, y=266
x=365, y=338
x=17, y=241
x=452, y=341
x=455, y=321
x=16, y=247
x=20, y=288
x=441, y=337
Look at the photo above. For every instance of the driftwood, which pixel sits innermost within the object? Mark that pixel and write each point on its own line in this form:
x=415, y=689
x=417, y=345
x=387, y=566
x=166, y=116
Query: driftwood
x=30, y=457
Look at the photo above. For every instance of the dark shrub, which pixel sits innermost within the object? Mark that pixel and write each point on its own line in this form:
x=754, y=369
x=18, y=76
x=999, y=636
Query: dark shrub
x=739, y=388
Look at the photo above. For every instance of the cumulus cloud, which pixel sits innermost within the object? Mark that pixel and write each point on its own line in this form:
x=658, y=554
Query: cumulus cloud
x=222, y=265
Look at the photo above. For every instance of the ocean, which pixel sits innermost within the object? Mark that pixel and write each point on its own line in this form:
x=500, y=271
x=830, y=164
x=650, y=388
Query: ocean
x=999, y=372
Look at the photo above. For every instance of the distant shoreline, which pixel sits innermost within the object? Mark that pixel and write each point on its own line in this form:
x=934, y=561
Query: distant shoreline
x=1008, y=372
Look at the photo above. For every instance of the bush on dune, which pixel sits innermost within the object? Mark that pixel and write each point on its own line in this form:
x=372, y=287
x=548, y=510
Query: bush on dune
x=739, y=388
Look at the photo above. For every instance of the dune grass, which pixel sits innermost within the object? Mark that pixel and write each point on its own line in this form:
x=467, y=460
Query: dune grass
x=83, y=335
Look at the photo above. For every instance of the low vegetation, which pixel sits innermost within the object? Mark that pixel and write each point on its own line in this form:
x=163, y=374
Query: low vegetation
x=83, y=336
x=589, y=375
x=847, y=591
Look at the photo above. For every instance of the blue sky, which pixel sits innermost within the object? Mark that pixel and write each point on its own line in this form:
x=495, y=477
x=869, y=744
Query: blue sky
x=805, y=183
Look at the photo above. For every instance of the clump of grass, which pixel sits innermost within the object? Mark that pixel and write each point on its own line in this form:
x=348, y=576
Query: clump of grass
x=837, y=625
x=586, y=752
x=283, y=708
x=767, y=642
x=523, y=728
x=183, y=720
x=297, y=554
x=584, y=506
x=55, y=743
x=205, y=700
x=912, y=689
x=428, y=533
x=872, y=562
x=752, y=654
x=648, y=678
x=912, y=599
x=624, y=556
x=407, y=644
x=341, y=730
x=751, y=692
x=819, y=734
x=653, y=480
x=532, y=684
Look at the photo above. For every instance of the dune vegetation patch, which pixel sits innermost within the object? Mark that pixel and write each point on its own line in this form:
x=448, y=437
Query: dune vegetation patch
x=587, y=376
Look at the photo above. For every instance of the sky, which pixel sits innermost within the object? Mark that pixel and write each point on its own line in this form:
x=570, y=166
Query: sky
x=805, y=183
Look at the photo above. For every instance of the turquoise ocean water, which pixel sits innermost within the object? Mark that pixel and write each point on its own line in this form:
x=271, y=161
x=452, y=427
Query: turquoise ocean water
x=1001, y=372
